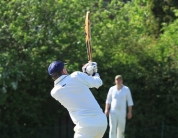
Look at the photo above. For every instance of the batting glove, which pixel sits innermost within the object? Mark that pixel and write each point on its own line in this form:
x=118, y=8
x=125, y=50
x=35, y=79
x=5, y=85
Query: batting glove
x=90, y=68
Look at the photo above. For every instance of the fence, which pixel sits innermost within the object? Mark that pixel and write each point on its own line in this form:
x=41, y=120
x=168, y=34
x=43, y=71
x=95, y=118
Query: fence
x=38, y=132
x=163, y=131
x=66, y=131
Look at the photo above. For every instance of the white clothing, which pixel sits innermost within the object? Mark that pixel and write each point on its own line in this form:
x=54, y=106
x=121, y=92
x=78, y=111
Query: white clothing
x=86, y=129
x=73, y=93
x=117, y=125
x=118, y=100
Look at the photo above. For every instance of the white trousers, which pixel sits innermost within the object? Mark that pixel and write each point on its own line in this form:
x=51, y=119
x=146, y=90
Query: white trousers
x=93, y=127
x=117, y=125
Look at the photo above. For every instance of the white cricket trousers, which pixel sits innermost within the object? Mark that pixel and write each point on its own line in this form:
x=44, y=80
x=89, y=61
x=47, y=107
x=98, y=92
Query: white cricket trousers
x=116, y=124
x=93, y=127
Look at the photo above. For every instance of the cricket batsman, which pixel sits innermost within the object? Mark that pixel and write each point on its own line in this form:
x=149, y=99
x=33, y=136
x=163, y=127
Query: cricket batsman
x=73, y=92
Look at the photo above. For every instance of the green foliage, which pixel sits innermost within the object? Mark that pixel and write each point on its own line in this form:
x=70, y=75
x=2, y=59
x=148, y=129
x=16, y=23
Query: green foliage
x=163, y=11
x=33, y=33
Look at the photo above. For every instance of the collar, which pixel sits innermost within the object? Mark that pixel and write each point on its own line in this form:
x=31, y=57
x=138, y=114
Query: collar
x=59, y=79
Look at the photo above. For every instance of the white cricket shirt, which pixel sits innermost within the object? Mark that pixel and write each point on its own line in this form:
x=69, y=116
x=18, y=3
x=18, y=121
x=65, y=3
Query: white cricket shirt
x=73, y=92
x=119, y=99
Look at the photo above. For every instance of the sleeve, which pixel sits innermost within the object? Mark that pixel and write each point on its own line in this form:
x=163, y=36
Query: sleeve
x=90, y=81
x=129, y=98
x=109, y=96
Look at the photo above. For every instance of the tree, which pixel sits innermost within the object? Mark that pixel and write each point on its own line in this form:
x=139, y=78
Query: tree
x=34, y=33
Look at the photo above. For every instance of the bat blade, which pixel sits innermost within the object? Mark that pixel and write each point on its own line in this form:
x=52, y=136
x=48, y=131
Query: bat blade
x=88, y=36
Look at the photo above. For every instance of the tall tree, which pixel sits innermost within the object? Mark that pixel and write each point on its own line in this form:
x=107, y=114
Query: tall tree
x=163, y=11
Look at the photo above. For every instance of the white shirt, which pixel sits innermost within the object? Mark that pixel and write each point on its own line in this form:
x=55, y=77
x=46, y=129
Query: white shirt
x=73, y=93
x=119, y=99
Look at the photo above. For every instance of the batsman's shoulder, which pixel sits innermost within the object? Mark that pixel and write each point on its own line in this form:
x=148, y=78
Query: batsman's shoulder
x=78, y=74
x=75, y=73
x=53, y=91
